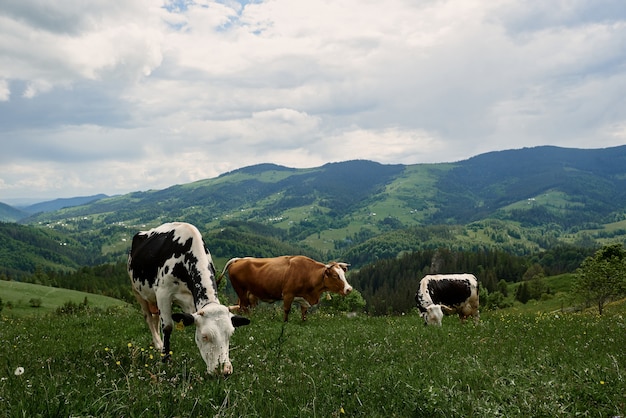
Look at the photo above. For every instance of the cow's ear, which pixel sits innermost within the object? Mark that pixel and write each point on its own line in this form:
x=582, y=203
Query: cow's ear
x=239, y=320
x=187, y=319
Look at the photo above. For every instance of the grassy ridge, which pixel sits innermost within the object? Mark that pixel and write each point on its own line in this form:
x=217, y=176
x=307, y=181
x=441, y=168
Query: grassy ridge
x=19, y=294
x=101, y=364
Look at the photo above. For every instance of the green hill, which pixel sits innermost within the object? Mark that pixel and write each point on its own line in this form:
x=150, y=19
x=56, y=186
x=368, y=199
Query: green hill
x=10, y=214
x=18, y=298
x=24, y=248
x=522, y=201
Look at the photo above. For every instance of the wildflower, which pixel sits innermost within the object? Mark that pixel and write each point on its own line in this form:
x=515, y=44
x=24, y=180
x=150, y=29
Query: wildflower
x=130, y=345
x=601, y=382
x=342, y=411
x=118, y=362
x=19, y=371
x=106, y=348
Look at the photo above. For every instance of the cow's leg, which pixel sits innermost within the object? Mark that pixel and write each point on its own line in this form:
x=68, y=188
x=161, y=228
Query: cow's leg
x=167, y=324
x=304, y=306
x=154, y=324
x=287, y=301
x=476, y=316
x=167, y=332
x=151, y=316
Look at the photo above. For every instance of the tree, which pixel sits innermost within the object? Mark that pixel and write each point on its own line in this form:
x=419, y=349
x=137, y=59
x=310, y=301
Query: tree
x=522, y=293
x=534, y=278
x=503, y=288
x=602, y=277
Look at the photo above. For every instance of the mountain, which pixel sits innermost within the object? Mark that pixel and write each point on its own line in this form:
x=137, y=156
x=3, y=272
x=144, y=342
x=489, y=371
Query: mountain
x=57, y=204
x=592, y=183
x=10, y=214
x=587, y=186
x=521, y=201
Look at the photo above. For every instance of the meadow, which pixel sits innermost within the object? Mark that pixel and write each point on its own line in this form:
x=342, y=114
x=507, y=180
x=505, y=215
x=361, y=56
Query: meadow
x=100, y=363
x=17, y=297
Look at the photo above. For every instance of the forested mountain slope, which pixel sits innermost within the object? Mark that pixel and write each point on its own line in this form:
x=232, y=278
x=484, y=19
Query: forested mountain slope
x=10, y=214
x=519, y=201
x=593, y=183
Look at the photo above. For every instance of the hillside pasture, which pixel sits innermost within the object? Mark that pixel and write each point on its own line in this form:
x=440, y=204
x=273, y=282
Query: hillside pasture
x=508, y=365
x=16, y=297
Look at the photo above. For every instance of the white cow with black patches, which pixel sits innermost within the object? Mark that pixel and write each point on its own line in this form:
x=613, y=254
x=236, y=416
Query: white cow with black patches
x=171, y=265
x=447, y=293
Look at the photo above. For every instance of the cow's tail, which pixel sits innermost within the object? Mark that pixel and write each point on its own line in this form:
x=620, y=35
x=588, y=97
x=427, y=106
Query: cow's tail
x=219, y=278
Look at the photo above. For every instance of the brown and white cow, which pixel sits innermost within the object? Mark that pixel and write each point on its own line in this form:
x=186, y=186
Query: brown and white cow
x=286, y=278
x=449, y=293
x=170, y=264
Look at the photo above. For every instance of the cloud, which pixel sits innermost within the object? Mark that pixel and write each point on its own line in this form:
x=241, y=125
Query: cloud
x=5, y=93
x=116, y=97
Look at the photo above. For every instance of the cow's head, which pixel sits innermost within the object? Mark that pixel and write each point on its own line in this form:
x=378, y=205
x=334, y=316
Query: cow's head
x=214, y=326
x=433, y=315
x=335, y=278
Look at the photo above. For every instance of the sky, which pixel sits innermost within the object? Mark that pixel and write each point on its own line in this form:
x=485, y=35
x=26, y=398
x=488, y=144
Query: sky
x=114, y=97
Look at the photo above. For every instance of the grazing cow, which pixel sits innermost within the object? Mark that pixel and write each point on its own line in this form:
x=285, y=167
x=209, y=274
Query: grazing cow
x=170, y=264
x=285, y=278
x=452, y=293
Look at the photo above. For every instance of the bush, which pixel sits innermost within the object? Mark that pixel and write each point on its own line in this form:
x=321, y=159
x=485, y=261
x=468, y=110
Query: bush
x=71, y=308
x=34, y=302
x=353, y=302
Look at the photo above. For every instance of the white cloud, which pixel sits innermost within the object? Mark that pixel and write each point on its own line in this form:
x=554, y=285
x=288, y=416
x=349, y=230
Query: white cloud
x=120, y=96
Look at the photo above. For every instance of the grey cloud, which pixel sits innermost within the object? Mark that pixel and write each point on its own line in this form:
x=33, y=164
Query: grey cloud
x=521, y=18
x=67, y=16
x=84, y=103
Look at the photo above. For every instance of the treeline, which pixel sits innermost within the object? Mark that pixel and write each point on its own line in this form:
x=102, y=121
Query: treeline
x=389, y=285
x=106, y=279
x=250, y=239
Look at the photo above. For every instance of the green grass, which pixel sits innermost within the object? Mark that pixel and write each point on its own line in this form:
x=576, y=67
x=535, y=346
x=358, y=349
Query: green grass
x=16, y=296
x=513, y=365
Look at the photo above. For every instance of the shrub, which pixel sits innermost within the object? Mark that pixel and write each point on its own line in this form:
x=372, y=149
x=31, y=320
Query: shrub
x=71, y=308
x=353, y=302
x=34, y=302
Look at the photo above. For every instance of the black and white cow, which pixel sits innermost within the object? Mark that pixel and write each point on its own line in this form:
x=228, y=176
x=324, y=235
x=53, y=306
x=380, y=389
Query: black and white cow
x=452, y=293
x=170, y=264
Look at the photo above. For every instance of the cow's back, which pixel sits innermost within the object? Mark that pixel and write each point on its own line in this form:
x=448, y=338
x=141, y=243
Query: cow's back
x=173, y=251
x=262, y=277
x=148, y=253
x=269, y=278
x=449, y=291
